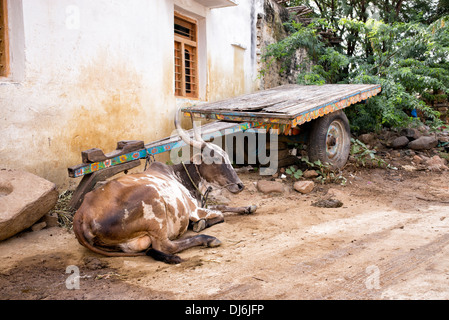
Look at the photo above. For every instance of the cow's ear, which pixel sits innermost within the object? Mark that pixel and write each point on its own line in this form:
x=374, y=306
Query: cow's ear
x=197, y=159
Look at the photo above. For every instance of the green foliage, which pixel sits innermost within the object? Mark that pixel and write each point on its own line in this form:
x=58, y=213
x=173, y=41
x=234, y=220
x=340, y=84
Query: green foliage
x=409, y=62
x=294, y=172
x=327, y=62
x=325, y=173
x=408, y=57
x=365, y=156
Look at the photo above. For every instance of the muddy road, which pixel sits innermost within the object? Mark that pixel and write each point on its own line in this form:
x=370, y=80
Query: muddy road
x=389, y=240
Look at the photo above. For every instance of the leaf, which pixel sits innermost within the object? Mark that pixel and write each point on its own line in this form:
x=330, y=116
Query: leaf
x=298, y=174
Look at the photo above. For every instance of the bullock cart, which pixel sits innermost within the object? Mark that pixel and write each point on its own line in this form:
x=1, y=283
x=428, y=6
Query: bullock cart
x=302, y=114
x=311, y=114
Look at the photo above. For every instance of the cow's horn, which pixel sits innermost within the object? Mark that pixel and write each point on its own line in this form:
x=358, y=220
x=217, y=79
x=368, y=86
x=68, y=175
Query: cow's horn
x=197, y=133
x=183, y=134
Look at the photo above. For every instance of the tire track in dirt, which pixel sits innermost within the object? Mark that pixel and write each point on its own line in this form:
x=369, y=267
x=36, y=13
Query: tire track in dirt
x=342, y=272
x=364, y=286
x=279, y=283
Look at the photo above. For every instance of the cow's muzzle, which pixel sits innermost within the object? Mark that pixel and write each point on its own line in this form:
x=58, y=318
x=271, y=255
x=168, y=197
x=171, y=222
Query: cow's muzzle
x=236, y=187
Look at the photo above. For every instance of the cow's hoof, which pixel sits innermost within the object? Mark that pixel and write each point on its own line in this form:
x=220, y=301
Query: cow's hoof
x=199, y=225
x=174, y=260
x=251, y=209
x=214, y=243
x=162, y=256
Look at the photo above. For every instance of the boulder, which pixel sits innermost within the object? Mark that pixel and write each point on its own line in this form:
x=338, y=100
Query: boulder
x=304, y=186
x=399, y=142
x=423, y=143
x=367, y=138
x=24, y=199
x=410, y=133
x=266, y=186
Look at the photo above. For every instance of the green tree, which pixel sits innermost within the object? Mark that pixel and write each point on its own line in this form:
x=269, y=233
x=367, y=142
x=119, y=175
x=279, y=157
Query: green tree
x=390, y=42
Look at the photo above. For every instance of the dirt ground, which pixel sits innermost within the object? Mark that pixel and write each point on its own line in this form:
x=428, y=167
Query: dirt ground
x=389, y=240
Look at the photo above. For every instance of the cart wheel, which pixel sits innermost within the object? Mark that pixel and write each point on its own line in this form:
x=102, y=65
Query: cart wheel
x=329, y=140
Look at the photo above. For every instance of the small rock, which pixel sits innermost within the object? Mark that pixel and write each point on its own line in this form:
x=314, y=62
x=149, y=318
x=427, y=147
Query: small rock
x=310, y=174
x=424, y=129
x=410, y=133
x=395, y=154
x=367, y=138
x=304, y=186
x=417, y=159
x=423, y=143
x=265, y=186
x=409, y=168
x=399, y=142
x=328, y=203
x=436, y=164
x=51, y=219
x=39, y=226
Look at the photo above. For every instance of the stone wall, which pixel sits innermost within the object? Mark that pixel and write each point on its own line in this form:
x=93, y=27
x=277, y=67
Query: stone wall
x=270, y=29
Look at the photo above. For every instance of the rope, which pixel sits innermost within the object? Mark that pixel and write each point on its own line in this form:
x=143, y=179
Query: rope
x=209, y=189
x=203, y=196
x=204, y=200
x=149, y=159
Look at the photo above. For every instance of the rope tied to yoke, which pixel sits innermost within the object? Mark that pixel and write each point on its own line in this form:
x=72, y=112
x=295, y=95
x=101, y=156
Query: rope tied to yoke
x=149, y=159
x=206, y=193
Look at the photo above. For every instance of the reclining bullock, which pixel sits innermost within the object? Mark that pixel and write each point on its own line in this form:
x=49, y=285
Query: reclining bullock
x=146, y=213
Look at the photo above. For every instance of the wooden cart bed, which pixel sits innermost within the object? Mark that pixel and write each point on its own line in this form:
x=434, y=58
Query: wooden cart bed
x=286, y=107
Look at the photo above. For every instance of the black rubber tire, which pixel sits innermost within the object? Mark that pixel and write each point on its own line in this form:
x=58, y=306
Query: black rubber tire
x=329, y=140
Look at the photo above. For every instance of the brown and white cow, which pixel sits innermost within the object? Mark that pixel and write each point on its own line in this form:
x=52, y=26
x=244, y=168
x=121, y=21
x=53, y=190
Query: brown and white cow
x=146, y=213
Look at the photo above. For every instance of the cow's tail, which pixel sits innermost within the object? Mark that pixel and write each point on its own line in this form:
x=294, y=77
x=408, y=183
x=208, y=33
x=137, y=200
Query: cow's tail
x=79, y=233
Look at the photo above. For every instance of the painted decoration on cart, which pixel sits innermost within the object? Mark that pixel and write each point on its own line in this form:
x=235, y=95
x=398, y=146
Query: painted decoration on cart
x=334, y=106
x=283, y=125
x=142, y=154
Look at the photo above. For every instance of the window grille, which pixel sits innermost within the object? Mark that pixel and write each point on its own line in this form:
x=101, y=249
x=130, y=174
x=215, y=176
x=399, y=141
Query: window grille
x=186, y=60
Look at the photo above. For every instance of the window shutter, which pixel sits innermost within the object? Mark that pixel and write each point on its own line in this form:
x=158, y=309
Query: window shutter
x=186, y=60
x=4, y=54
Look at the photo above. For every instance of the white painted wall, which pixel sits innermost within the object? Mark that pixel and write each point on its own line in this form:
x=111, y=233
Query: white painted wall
x=90, y=73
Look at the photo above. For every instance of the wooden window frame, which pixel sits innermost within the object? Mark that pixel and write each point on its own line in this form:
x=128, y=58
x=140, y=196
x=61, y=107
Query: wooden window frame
x=4, y=40
x=186, y=58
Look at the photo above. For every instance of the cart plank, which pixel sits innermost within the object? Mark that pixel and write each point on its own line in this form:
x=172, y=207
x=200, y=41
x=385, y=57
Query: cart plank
x=289, y=104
